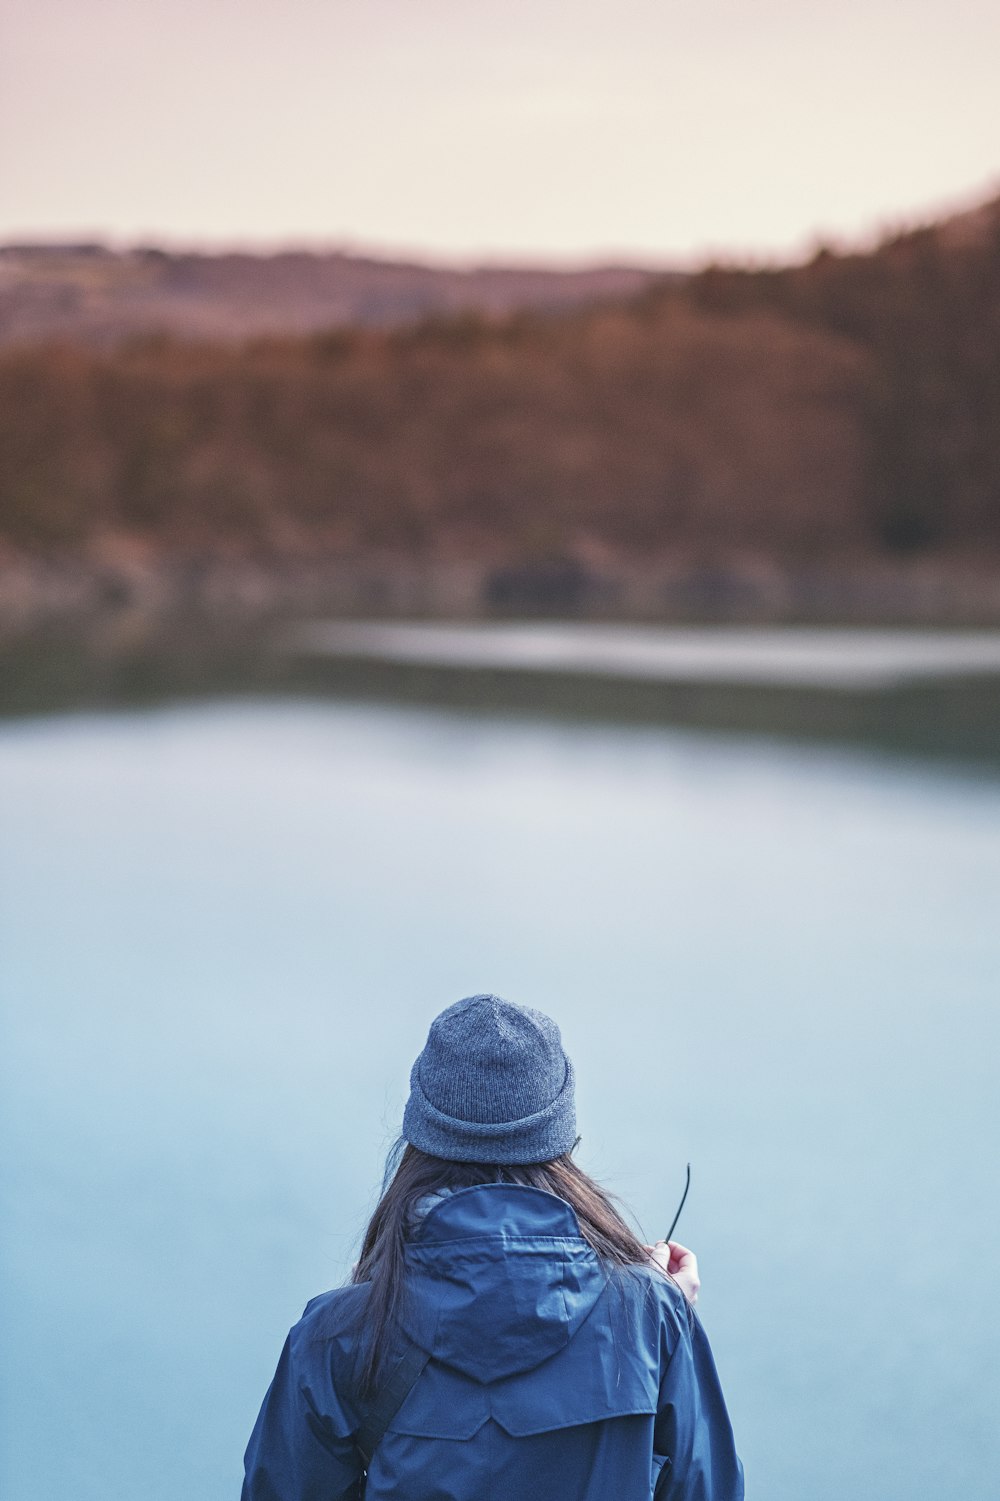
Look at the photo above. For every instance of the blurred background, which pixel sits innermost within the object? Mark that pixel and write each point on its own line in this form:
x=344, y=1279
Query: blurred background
x=499, y=498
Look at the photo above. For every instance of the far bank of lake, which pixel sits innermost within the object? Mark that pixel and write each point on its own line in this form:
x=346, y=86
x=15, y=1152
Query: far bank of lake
x=910, y=692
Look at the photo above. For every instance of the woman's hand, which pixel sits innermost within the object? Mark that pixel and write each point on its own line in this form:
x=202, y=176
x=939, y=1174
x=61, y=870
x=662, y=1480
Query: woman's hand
x=682, y=1264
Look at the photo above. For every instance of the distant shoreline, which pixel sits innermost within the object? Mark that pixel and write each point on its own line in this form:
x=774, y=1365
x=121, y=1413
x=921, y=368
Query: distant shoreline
x=915, y=692
x=154, y=593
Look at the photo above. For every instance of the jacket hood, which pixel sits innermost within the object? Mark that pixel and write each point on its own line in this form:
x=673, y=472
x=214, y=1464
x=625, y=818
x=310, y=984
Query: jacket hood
x=500, y=1279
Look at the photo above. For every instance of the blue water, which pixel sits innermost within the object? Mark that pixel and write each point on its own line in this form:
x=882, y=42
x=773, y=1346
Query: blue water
x=225, y=929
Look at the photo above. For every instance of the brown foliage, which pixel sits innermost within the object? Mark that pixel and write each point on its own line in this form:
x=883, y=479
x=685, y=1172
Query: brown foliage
x=640, y=431
x=844, y=406
x=926, y=310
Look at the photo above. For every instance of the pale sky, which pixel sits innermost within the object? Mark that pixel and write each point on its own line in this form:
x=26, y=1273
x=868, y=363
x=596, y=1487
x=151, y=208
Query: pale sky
x=563, y=130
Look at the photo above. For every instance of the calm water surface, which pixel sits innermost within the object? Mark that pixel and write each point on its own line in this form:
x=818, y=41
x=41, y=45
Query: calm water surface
x=225, y=929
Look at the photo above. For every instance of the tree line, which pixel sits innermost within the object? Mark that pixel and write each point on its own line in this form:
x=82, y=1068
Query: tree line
x=846, y=406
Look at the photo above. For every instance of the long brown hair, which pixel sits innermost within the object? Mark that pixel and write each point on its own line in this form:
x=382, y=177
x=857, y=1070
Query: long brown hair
x=411, y=1174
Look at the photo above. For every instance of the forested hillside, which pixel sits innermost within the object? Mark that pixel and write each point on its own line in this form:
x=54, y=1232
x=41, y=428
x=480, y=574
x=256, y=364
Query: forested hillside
x=845, y=408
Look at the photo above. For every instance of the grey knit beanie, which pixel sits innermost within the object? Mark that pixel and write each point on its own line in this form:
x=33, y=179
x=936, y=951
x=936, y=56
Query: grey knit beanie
x=491, y=1085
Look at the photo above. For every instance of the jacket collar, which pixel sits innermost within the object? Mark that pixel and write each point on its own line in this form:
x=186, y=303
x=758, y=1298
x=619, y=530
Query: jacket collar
x=500, y=1209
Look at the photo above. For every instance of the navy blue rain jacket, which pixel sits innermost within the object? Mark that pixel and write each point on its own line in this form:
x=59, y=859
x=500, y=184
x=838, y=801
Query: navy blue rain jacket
x=548, y=1378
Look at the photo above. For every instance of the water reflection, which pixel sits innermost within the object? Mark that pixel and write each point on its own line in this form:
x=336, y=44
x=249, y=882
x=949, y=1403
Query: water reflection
x=912, y=693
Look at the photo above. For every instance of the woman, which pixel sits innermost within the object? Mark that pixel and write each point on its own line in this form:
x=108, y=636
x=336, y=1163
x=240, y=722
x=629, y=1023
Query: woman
x=505, y=1336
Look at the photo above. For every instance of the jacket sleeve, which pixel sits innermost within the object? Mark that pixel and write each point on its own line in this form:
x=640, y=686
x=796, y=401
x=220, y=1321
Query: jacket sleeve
x=297, y=1453
x=692, y=1424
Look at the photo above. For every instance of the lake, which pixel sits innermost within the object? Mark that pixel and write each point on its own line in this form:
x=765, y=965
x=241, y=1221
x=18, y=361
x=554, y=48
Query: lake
x=225, y=928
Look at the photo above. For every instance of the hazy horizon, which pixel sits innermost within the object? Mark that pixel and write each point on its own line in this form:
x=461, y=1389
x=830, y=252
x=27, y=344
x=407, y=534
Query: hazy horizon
x=636, y=133
x=866, y=237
